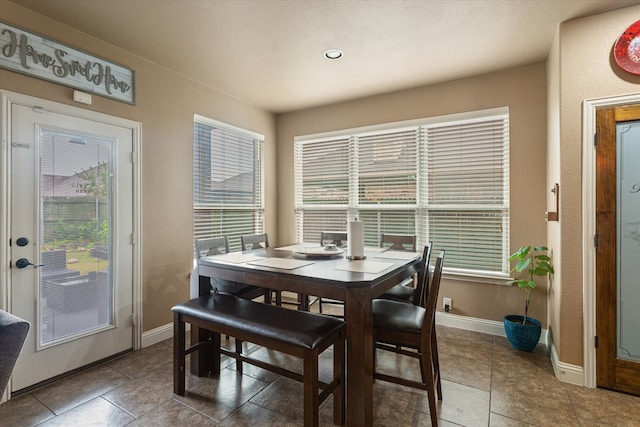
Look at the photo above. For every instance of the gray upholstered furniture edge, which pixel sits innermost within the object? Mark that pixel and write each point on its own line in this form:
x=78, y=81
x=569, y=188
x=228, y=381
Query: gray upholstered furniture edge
x=13, y=332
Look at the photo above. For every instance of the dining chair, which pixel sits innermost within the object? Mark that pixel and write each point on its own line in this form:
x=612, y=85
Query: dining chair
x=338, y=238
x=405, y=291
x=260, y=241
x=212, y=246
x=217, y=246
x=254, y=241
x=409, y=330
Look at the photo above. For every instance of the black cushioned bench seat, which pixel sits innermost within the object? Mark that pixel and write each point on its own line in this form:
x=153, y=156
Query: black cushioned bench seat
x=294, y=332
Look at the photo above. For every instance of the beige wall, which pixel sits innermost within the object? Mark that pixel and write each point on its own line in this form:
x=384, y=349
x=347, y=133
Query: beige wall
x=522, y=90
x=585, y=69
x=165, y=104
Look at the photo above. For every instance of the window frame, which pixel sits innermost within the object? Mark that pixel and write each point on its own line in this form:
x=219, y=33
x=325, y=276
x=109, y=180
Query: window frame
x=422, y=206
x=255, y=208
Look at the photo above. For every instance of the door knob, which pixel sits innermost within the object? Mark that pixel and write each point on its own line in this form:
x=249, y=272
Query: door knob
x=23, y=262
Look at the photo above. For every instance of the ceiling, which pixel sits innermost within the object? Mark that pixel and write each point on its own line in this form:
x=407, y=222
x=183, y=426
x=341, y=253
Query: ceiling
x=269, y=53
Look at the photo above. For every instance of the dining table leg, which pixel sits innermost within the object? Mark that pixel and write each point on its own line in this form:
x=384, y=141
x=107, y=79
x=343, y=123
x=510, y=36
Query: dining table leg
x=359, y=357
x=203, y=360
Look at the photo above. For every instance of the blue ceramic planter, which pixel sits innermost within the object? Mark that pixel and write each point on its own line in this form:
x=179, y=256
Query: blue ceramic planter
x=522, y=337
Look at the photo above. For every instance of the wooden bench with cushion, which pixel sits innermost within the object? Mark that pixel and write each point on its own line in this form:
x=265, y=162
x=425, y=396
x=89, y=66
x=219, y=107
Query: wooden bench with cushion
x=297, y=333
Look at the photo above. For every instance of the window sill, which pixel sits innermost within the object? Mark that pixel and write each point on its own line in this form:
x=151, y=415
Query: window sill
x=477, y=277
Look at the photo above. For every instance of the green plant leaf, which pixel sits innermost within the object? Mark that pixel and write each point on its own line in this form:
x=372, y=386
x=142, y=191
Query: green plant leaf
x=539, y=271
x=522, y=264
x=524, y=284
x=520, y=253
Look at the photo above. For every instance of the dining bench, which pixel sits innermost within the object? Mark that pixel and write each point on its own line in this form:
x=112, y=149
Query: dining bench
x=297, y=333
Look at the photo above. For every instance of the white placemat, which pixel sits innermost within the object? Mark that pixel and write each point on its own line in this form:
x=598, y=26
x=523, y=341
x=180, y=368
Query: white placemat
x=396, y=255
x=233, y=257
x=283, y=263
x=371, y=249
x=364, y=266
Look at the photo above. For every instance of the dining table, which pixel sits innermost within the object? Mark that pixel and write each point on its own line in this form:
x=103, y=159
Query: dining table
x=308, y=269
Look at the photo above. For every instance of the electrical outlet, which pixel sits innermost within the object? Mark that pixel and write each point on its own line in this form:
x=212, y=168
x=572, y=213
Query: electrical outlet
x=447, y=304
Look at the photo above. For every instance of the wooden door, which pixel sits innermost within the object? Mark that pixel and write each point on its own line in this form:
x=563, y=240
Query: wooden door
x=618, y=248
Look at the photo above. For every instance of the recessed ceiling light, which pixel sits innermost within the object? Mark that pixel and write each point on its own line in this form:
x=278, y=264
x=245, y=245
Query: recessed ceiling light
x=333, y=54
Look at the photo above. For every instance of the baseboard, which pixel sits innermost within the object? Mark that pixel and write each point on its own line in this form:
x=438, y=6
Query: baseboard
x=566, y=372
x=491, y=327
x=158, y=334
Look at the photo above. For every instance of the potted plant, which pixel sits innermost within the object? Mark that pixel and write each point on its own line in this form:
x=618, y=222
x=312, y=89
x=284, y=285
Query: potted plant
x=523, y=332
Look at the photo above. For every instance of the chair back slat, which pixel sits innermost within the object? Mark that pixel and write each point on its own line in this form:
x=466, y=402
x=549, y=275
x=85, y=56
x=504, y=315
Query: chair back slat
x=422, y=283
x=338, y=238
x=432, y=298
x=399, y=242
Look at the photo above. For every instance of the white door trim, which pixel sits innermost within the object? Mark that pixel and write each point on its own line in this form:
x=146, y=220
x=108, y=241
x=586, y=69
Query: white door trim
x=589, y=227
x=8, y=98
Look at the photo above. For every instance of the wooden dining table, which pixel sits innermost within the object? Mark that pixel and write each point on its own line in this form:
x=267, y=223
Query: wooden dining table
x=298, y=269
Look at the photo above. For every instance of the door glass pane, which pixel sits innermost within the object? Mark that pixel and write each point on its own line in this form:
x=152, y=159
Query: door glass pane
x=628, y=268
x=75, y=235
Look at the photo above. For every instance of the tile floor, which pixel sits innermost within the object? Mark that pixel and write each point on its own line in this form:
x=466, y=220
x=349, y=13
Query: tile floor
x=485, y=383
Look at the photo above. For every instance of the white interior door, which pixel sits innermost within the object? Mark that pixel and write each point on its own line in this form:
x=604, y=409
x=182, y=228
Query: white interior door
x=71, y=229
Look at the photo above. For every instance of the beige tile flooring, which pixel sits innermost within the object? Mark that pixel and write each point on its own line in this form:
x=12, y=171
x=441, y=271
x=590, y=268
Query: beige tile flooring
x=485, y=383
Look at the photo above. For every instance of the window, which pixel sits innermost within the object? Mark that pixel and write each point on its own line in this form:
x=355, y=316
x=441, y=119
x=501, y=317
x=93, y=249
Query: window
x=228, y=195
x=444, y=179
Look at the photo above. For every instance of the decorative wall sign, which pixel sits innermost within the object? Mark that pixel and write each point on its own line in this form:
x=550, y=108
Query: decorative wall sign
x=38, y=56
x=626, y=50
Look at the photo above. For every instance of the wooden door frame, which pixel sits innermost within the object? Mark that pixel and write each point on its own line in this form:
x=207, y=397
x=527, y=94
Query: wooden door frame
x=589, y=227
x=7, y=99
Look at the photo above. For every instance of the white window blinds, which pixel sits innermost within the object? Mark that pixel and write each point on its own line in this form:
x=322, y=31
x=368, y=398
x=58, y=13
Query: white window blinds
x=468, y=182
x=322, y=187
x=446, y=180
x=227, y=181
x=386, y=171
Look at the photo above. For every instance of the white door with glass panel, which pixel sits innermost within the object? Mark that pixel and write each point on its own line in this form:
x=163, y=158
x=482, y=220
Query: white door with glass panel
x=71, y=205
